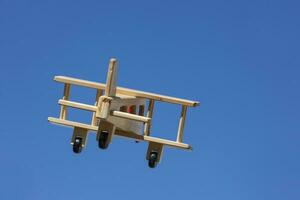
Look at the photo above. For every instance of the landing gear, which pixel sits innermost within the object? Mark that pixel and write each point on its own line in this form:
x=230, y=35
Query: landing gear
x=103, y=140
x=154, y=153
x=153, y=159
x=77, y=146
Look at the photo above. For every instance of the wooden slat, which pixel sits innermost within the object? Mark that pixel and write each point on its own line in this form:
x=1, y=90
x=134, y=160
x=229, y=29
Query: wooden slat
x=126, y=91
x=78, y=105
x=63, y=109
x=98, y=94
x=130, y=116
x=72, y=124
x=121, y=133
x=149, y=114
x=181, y=124
x=167, y=142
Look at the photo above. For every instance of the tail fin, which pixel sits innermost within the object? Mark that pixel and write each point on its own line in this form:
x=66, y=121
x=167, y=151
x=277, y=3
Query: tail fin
x=111, y=80
x=110, y=90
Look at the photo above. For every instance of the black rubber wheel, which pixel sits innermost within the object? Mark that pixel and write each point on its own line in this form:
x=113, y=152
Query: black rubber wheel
x=77, y=146
x=103, y=140
x=152, y=159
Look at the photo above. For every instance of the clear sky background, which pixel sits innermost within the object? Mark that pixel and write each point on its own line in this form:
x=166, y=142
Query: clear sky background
x=240, y=59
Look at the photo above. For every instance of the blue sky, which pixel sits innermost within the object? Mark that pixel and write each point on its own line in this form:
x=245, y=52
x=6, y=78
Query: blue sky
x=240, y=59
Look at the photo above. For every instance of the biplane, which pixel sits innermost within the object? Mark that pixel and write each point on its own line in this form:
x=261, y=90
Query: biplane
x=119, y=111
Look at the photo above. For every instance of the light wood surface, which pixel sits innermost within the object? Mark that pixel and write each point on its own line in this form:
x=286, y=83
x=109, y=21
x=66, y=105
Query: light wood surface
x=167, y=142
x=181, y=124
x=119, y=132
x=77, y=105
x=109, y=92
x=98, y=94
x=69, y=123
x=63, y=109
x=149, y=115
x=111, y=79
x=114, y=113
x=126, y=91
x=123, y=123
x=130, y=116
x=104, y=107
x=120, y=112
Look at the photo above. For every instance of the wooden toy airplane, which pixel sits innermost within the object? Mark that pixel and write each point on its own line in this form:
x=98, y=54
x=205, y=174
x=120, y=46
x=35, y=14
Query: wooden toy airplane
x=121, y=112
